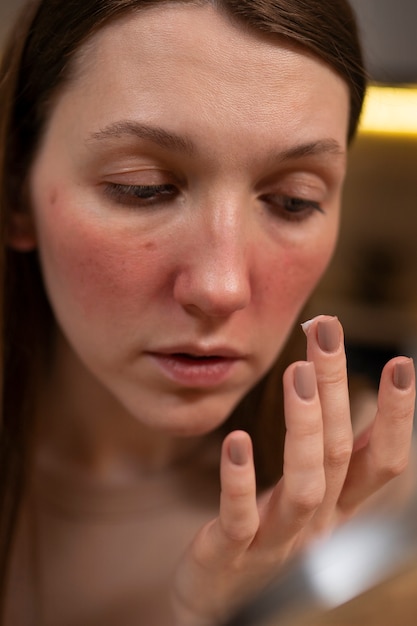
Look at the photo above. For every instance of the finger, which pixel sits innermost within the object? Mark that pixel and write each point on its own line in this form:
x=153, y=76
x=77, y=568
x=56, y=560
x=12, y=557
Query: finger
x=387, y=452
x=239, y=517
x=217, y=553
x=238, y=522
x=325, y=348
x=302, y=487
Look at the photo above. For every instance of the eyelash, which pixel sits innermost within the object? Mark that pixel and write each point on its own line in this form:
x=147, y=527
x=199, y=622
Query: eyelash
x=138, y=196
x=292, y=209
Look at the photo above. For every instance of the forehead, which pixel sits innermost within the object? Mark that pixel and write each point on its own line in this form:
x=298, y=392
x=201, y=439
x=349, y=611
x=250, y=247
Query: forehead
x=182, y=62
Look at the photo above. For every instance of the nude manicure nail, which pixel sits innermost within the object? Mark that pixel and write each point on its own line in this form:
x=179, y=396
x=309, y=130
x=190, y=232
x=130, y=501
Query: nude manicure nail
x=238, y=452
x=403, y=374
x=328, y=334
x=305, y=380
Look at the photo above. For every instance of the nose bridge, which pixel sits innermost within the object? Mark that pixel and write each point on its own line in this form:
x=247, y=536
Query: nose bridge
x=226, y=239
x=225, y=230
x=216, y=277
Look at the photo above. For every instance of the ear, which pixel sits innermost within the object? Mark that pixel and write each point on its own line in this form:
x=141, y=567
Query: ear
x=21, y=235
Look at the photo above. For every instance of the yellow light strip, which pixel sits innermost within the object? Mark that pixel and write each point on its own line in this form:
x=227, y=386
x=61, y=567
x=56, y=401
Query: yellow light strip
x=390, y=110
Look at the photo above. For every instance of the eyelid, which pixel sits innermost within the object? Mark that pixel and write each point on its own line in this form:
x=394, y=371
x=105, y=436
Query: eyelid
x=140, y=196
x=302, y=183
x=141, y=177
x=326, y=172
x=291, y=208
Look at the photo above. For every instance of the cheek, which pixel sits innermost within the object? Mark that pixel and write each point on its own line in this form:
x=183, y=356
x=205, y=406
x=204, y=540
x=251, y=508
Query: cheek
x=294, y=275
x=95, y=269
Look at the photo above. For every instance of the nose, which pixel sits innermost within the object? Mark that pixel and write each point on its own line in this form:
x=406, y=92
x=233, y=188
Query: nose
x=214, y=278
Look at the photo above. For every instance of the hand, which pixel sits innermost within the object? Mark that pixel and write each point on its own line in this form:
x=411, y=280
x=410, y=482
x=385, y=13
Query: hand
x=327, y=477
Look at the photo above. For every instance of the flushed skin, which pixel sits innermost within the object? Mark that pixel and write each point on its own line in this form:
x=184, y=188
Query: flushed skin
x=217, y=266
x=169, y=308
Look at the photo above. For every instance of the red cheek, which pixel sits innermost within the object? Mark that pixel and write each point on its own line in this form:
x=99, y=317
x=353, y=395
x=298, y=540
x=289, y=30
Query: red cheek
x=291, y=280
x=97, y=268
x=107, y=276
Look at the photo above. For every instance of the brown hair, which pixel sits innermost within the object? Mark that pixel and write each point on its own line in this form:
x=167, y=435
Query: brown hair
x=35, y=63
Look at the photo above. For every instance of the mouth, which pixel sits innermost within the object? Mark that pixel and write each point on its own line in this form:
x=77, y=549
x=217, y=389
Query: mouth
x=196, y=369
x=198, y=358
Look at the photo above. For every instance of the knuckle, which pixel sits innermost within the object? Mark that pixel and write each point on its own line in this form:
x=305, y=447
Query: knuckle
x=306, y=429
x=333, y=377
x=238, y=493
x=238, y=490
x=392, y=468
x=338, y=455
x=400, y=415
x=239, y=532
x=396, y=469
x=306, y=501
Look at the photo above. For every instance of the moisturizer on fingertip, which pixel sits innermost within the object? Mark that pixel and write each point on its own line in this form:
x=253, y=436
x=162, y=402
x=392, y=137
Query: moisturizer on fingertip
x=306, y=325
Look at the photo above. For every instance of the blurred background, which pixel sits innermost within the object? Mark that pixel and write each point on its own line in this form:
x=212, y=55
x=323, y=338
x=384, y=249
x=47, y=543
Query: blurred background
x=367, y=573
x=371, y=283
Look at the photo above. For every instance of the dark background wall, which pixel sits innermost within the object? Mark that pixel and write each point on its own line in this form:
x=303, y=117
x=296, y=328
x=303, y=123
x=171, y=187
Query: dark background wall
x=390, y=34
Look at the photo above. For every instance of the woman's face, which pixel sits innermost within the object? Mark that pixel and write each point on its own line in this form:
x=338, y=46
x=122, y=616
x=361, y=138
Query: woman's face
x=186, y=201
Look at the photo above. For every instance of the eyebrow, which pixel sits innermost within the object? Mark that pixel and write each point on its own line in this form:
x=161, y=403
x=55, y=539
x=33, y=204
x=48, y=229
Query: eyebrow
x=172, y=141
x=314, y=148
x=160, y=136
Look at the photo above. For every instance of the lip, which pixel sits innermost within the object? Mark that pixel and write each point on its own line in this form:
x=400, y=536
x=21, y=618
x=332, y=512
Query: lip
x=194, y=367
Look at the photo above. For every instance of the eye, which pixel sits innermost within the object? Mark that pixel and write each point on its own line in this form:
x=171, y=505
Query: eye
x=141, y=195
x=290, y=208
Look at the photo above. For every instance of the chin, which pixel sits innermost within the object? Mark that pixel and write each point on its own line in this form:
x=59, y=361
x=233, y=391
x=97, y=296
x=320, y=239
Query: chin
x=188, y=415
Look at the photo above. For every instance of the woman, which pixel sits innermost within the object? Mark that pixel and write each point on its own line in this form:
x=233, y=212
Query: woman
x=171, y=182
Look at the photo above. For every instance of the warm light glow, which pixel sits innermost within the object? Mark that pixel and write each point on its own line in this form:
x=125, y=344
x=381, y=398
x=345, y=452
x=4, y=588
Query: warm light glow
x=390, y=110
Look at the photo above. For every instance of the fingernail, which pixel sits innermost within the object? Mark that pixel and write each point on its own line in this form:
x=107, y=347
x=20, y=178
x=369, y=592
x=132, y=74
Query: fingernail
x=305, y=380
x=238, y=452
x=403, y=374
x=328, y=334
